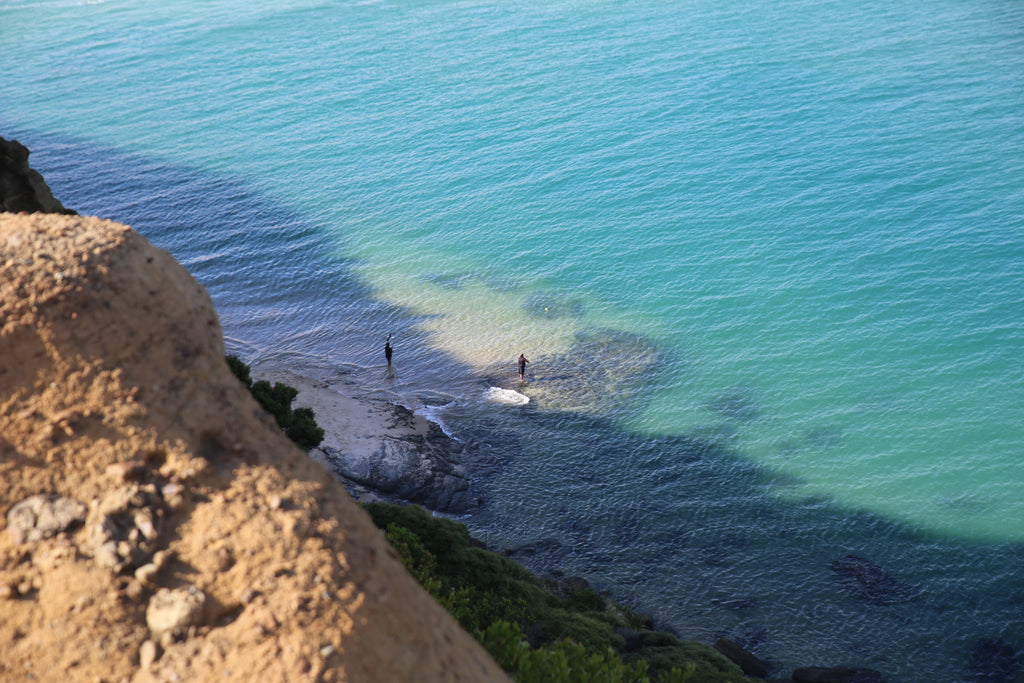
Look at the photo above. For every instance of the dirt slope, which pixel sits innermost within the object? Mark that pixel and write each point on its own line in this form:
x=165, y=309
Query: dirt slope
x=158, y=524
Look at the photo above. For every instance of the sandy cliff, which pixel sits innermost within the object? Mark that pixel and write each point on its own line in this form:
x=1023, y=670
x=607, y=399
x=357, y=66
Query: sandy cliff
x=158, y=525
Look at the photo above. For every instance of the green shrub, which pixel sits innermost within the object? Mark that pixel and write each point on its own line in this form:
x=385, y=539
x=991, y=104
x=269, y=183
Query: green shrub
x=240, y=369
x=577, y=638
x=304, y=430
x=299, y=424
x=566, y=661
x=586, y=600
x=583, y=628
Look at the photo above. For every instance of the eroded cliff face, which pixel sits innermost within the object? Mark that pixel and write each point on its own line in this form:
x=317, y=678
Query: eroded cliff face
x=158, y=525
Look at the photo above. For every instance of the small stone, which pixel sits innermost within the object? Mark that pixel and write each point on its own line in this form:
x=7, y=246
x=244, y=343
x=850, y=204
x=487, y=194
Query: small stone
x=224, y=558
x=135, y=591
x=274, y=503
x=129, y=470
x=167, y=640
x=267, y=623
x=174, y=611
x=172, y=489
x=148, y=654
x=6, y=591
x=326, y=651
x=173, y=495
x=123, y=528
x=161, y=557
x=43, y=516
x=147, y=573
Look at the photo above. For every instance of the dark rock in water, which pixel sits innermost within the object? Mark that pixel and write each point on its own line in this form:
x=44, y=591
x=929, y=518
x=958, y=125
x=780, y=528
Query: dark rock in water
x=553, y=306
x=993, y=660
x=751, y=665
x=836, y=674
x=866, y=581
x=750, y=636
x=734, y=405
x=715, y=555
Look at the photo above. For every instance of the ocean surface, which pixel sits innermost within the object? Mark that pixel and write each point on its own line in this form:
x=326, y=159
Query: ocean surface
x=766, y=260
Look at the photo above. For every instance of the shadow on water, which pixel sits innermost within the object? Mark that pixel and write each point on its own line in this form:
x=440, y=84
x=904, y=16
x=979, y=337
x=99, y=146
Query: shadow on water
x=269, y=270
x=681, y=526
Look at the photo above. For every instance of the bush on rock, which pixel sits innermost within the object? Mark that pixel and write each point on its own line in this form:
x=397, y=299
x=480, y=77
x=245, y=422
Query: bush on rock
x=299, y=424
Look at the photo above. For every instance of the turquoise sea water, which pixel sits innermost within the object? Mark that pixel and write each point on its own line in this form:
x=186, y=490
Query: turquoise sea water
x=806, y=219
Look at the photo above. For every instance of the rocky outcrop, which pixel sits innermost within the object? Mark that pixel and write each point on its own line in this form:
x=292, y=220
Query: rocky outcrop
x=21, y=187
x=159, y=525
x=422, y=469
x=751, y=665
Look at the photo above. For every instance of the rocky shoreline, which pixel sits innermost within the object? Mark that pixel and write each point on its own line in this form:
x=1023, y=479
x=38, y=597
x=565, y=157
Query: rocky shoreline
x=382, y=451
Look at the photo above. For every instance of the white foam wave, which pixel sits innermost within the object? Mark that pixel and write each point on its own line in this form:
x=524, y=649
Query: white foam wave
x=433, y=413
x=506, y=396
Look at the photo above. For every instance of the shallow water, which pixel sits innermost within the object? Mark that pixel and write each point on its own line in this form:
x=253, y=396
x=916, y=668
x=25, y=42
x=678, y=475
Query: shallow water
x=766, y=266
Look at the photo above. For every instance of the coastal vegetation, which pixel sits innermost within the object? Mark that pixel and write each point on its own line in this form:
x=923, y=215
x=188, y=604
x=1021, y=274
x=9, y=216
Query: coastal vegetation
x=299, y=423
x=539, y=630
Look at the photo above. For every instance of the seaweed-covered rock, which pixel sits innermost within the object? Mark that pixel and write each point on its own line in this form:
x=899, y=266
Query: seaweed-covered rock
x=993, y=660
x=866, y=581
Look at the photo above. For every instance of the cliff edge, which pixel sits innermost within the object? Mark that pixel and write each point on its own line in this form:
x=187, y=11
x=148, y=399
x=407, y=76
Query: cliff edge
x=22, y=188
x=158, y=524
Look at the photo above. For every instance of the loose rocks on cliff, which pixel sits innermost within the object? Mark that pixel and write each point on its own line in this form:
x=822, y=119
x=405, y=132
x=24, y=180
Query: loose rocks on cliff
x=213, y=548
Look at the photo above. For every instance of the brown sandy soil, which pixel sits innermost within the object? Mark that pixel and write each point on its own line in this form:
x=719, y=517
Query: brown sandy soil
x=182, y=536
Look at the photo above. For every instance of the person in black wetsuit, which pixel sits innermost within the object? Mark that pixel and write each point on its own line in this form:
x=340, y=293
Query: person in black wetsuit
x=522, y=367
x=388, y=351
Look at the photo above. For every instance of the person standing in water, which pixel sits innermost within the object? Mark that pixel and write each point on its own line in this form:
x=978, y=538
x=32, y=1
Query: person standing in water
x=388, y=350
x=522, y=367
